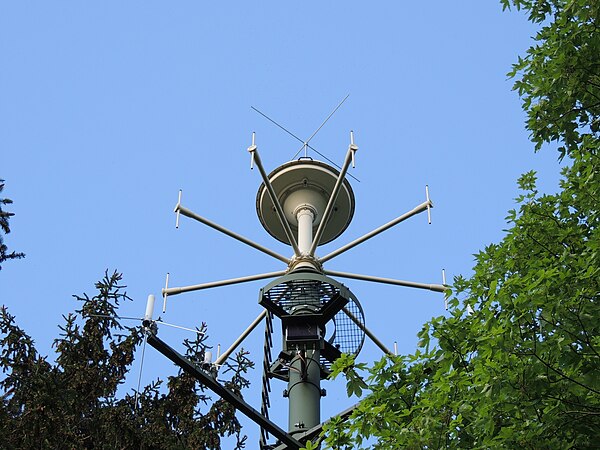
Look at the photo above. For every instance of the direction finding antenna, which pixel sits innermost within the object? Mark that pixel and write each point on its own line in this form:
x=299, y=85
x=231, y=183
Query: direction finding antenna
x=304, y=204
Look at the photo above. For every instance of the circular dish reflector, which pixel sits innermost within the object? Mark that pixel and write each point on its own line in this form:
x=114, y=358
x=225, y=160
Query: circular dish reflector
x=305, y=182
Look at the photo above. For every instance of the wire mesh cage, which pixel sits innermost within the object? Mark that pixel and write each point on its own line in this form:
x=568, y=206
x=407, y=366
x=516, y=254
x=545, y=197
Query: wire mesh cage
x=329, y=302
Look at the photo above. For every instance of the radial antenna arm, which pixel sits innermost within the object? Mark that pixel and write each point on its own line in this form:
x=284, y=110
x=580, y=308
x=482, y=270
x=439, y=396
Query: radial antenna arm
x=213, y=284
x=368, y=332
x=186, y=212
x=412, y=284
x=253, y=149
x=334, y=194
x=418, y=209
x=221, y=359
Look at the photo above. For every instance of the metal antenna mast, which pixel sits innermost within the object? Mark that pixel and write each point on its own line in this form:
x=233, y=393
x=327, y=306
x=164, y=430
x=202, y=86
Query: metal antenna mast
x=304, y=204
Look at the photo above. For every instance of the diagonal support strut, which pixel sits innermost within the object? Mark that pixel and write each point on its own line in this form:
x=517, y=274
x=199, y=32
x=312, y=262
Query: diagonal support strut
x=280, y=214
x=333, y=197
x=223, y=392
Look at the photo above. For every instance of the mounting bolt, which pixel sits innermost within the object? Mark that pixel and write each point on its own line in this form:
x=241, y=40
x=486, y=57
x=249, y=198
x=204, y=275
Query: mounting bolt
x=286, y=394
x=323, y=392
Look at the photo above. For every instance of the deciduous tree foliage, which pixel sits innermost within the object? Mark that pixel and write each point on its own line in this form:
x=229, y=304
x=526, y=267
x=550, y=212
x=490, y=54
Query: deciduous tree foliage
x=516, y=364
x=74, y=403
x=559, y=77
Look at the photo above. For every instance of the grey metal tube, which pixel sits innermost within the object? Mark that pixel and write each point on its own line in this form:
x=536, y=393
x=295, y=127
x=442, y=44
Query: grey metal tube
x=216, y=226
x=239, y=340
x=213, y=284
x=376, y=341
x=413, y=284
x=275, y=200
x=331, y=202
x=422, y=207
x=305, y=218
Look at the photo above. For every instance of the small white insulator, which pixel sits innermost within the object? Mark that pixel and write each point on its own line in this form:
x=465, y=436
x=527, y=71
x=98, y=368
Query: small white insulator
x=149, y=308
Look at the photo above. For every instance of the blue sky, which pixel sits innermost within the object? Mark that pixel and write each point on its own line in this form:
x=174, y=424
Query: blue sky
x=107, y=109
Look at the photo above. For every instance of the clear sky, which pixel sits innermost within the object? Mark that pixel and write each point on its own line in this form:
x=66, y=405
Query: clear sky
x=108, y=108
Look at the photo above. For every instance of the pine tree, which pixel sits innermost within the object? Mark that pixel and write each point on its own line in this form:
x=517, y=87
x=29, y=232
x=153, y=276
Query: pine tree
x=5, y=229
x=73, y=403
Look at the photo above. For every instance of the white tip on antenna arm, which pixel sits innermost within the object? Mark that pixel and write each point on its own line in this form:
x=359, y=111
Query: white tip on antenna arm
x=444, y=284
x=177, y=209
x=353, y=148
x=429, y=204
x=252, y=150
x=165, y=294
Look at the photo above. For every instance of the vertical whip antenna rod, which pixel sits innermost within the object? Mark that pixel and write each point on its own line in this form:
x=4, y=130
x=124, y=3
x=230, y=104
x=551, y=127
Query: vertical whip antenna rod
x=444, y=283
x=177, y=208
x=352, y=145
x=352, y=148
x=135, y=400
x=428, y=204
x=253, y=149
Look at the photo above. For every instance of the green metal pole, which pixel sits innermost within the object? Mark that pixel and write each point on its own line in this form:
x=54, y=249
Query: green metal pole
x=304, y=390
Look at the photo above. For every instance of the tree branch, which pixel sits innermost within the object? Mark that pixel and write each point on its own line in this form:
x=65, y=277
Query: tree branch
x=562, y=374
